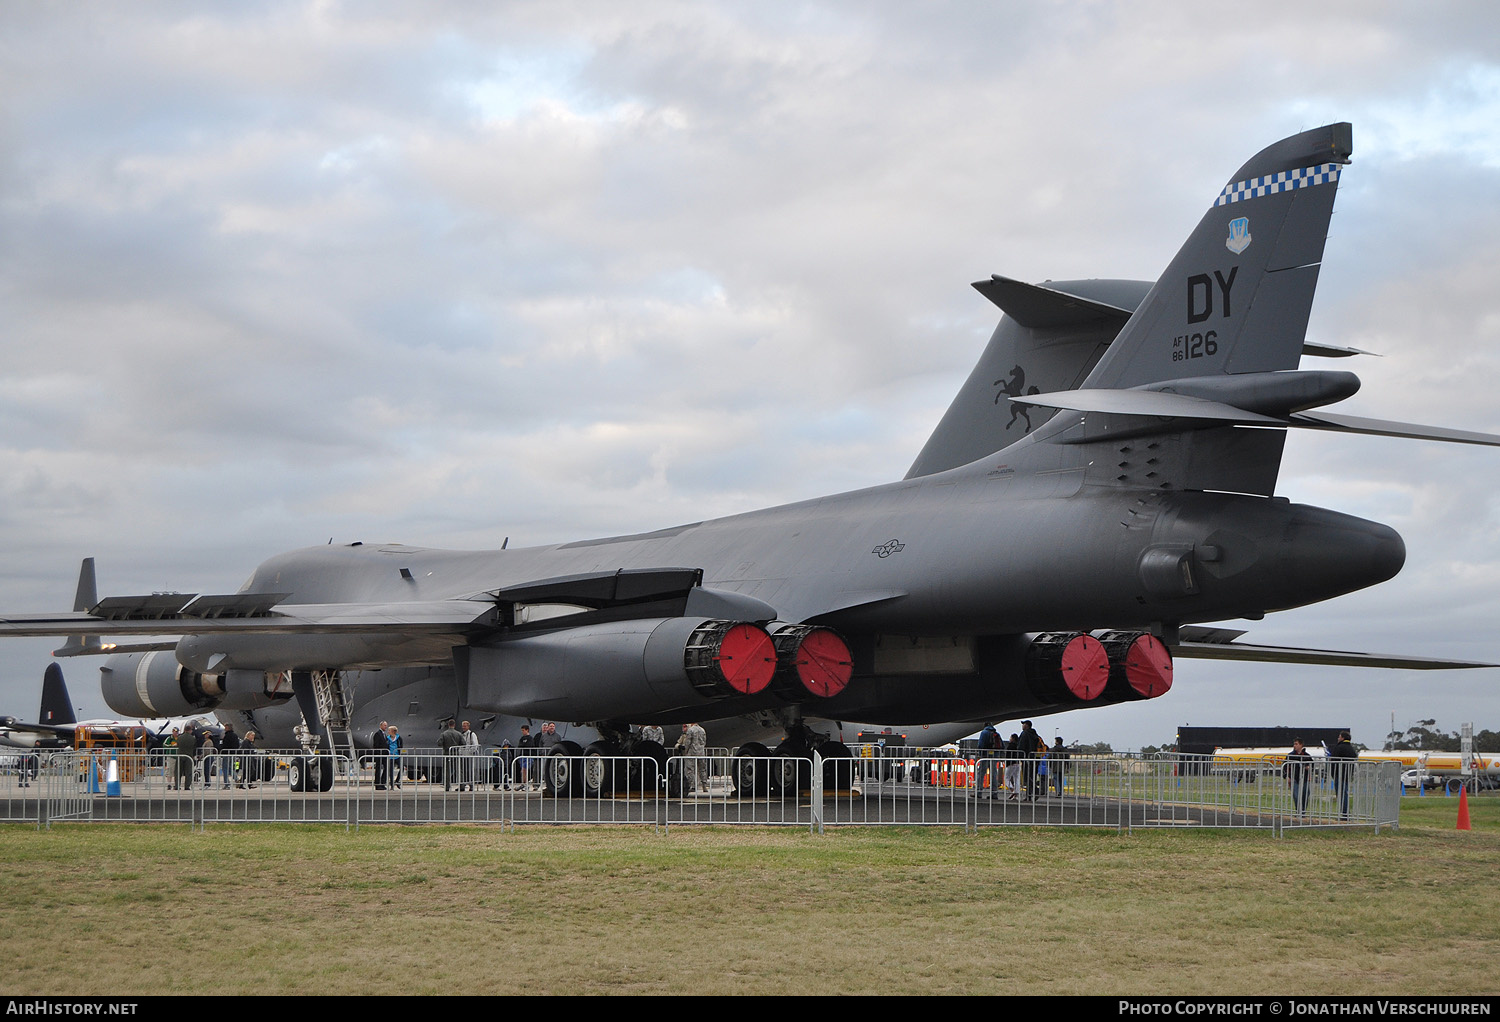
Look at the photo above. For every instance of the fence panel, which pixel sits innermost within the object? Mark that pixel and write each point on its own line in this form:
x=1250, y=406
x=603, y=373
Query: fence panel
x=766, y=791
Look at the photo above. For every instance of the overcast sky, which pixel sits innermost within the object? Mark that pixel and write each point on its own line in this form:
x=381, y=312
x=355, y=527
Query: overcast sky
x=444, y=274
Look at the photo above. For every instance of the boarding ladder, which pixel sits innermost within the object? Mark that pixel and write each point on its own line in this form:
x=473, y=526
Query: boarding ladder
x=334, y=709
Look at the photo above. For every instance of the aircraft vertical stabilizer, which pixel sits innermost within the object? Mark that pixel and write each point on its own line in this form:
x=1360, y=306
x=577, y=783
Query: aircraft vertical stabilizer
x=1237, y=296
x=57, y=708
x=1213, y=347
x=1049, y=339
x=84, y=600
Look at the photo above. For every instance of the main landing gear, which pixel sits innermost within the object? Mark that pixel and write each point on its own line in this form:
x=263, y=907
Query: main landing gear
x=788, y=771
x=617, y=764
x=310, y=773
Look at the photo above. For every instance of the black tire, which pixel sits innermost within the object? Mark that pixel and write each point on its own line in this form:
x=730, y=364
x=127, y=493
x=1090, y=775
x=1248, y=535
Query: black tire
x=752, y=773
x=296, y=774
x=651, y=763
x=599, y=774
x=790, y=771
x=561, y=773
x=839, y=774
x=327, y=767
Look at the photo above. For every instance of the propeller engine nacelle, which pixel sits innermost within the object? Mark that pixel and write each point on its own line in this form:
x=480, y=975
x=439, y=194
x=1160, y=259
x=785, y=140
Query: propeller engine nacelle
x=155, y=685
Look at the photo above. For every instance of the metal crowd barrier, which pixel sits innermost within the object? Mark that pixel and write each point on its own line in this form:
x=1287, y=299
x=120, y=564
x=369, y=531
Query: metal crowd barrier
x=1268, y=792
x=908, y=787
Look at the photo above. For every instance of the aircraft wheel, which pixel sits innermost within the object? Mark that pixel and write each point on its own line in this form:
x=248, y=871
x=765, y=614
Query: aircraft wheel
x=752, y=774
x=326, y=769
x=791, y=772
x=296, y=774
x=561, y=773
x=838, y=775
x=653, y=758
x=599, y=769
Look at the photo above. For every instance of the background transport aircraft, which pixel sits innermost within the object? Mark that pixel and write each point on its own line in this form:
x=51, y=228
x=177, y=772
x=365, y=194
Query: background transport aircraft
x=57, y=725
x=1049, y=551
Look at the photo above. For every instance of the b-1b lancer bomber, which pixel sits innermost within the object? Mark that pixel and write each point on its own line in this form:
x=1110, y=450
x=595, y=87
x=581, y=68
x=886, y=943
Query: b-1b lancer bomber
x=1102, y=486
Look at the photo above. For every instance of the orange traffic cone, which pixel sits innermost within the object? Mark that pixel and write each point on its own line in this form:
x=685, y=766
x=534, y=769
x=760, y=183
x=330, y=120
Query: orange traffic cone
x=1463, y=808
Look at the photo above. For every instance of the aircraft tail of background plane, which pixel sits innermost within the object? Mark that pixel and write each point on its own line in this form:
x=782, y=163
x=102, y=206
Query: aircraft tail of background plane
x=85, y=599
x=57, y=708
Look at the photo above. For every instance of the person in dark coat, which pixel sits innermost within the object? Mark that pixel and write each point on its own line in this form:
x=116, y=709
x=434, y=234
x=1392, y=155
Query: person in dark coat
x=229, y=744
x=380, y=755
x=450, y=740
x=187, y=754
x=987, y=780
x=1343, y=756
x=1010, y=753
x=1298, y=772
x=1057, y=766
x=1029, y=746
x=526, y=743
x=249, y=760
x=505, y=759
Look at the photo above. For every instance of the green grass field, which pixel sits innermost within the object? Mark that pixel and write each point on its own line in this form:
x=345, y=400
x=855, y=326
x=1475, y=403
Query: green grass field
x=272, y=909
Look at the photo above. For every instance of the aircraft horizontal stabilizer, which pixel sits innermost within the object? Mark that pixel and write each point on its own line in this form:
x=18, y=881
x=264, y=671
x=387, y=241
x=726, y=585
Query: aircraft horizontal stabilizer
x=1323, y=657
x=82, y=645
x=1334, y=350
x=1278, y=399
x=1385, y=427
x=111, y=648
x=1147, y=403
x=1041, y=307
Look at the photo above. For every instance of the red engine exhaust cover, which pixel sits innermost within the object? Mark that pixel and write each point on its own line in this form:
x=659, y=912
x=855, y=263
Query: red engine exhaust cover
x=1148, y=666
x=1085, y=667
x=747, y=658
x=823, y=662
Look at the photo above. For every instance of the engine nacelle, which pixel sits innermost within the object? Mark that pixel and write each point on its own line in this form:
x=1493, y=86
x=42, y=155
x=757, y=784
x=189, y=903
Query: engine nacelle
x=1066, y=668
x=810, y=661
x=156, y=685
x=998, y=677
x=1140, y=666
x=626, y=670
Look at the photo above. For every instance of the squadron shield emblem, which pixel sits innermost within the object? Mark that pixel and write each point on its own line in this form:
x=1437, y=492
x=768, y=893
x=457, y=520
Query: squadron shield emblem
x=1239, y=235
